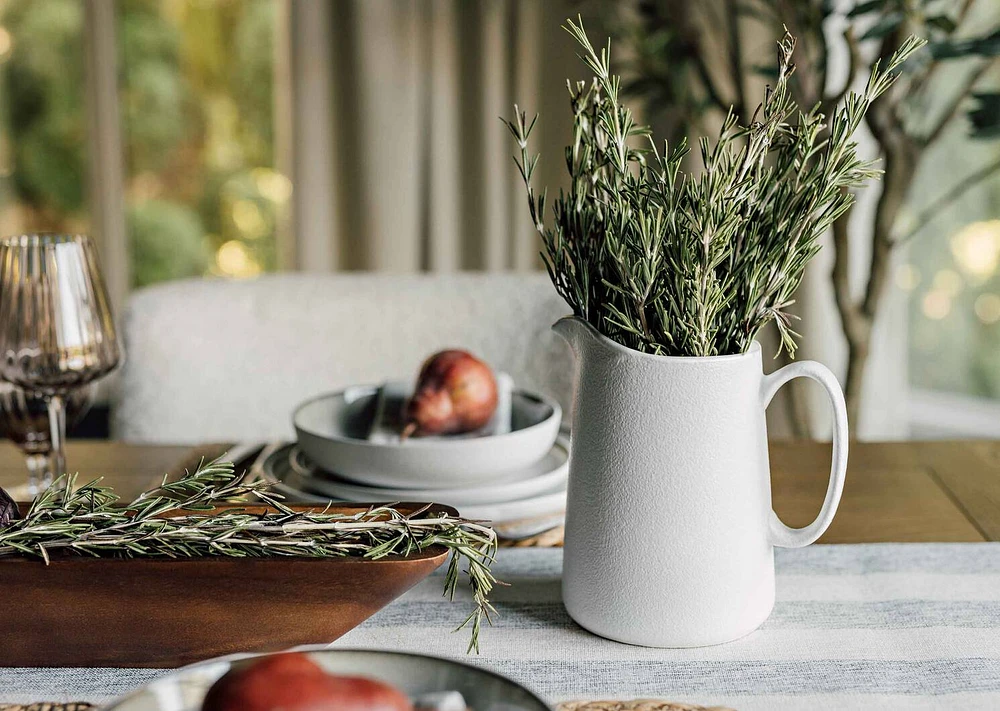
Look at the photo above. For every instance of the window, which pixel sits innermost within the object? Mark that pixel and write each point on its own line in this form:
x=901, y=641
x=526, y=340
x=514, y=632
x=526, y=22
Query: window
x=956, y=307
x=43, y=147
x=953, y=279
x=202, y=192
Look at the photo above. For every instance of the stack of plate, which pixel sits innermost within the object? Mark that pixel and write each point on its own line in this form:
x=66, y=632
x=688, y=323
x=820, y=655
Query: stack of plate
x=516, y=480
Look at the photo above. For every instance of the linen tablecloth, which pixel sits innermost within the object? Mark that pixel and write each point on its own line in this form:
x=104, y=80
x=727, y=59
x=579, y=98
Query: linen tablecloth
x=911, y=626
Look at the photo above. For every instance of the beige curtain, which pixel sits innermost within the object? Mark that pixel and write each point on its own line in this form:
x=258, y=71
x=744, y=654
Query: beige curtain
x=402, y=163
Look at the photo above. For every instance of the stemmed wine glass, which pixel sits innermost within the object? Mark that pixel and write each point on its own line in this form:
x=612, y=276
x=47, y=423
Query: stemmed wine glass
x=57, y=333
x=24, y=420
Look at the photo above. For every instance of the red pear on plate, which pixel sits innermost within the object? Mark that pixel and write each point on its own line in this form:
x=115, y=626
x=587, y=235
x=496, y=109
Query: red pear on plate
x=455, y=392
x=293, y=682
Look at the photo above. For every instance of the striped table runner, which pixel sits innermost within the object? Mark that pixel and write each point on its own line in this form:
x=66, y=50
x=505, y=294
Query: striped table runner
x=909, y=626
x=855, y=626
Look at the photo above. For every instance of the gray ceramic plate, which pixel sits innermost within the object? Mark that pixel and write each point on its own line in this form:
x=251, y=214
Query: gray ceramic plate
x=332, y=428
x=543, y=505
x=545, y=476
x=414, y=674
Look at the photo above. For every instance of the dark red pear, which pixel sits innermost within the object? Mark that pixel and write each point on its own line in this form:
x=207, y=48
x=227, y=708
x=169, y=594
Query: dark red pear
x=293, y=682
x=455, y=392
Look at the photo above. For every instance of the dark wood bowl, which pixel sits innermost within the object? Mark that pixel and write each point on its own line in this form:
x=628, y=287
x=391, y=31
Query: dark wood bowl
x=165, y=613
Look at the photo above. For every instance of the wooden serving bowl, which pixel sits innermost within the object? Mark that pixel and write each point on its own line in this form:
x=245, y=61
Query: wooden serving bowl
x=157, y=612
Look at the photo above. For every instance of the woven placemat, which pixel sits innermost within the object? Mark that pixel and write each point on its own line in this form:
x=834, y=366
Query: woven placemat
x=553, y=538
x=637, y=705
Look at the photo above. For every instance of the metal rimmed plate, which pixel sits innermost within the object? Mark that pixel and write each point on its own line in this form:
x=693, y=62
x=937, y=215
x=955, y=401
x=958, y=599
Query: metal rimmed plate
x=414, y=674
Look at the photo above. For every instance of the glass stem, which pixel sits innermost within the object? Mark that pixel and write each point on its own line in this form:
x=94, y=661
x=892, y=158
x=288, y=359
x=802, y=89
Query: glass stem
x=57, y=433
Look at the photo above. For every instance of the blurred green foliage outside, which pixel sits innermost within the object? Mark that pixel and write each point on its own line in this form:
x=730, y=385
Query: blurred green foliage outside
x=196, y=92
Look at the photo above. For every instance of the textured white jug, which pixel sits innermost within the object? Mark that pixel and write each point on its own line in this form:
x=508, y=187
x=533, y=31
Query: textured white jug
x=669, y=525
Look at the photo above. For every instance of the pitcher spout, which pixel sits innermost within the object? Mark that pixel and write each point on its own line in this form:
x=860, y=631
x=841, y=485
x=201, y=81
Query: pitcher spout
x=579, y=334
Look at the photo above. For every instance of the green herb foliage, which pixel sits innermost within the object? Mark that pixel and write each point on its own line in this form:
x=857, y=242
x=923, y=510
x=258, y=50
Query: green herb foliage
x=180, y=519
x=695, y=264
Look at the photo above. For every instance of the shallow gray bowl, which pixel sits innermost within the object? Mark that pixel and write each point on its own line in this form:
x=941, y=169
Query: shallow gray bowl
x=414, y=674
x=332, y=430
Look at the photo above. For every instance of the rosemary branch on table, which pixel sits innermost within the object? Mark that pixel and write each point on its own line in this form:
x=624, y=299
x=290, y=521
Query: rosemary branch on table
x=180, y=519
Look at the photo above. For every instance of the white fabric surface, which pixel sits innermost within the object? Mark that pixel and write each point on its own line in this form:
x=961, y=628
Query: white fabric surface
x=212, y=360
x=888, y=626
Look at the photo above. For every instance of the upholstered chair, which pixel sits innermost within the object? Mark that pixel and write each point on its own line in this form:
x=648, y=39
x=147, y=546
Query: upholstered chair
x=213, y=360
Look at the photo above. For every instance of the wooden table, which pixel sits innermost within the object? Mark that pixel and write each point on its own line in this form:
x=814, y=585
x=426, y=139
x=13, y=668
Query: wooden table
x=900, y=491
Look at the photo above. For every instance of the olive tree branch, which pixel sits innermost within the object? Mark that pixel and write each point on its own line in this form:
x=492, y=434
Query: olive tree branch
x=951, y=110
x=854, y=60
x=736, y=59
x=714, y=95
x=924, y=77
x=947, y=198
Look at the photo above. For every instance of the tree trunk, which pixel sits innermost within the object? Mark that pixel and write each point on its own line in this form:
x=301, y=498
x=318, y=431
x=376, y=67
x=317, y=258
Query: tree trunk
x=900, y=157
x=857, y=360
x=796, y=403
x=855, y=324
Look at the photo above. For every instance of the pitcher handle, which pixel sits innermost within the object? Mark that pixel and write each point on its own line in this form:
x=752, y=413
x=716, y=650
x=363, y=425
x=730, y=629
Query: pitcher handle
x=785, y=536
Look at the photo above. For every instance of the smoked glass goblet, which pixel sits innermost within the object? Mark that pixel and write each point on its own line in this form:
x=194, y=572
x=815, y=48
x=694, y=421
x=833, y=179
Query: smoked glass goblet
x=57, y=333
x=24, y=420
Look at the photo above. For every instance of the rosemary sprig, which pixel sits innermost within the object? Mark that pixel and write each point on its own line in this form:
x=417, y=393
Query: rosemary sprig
x=677, y=263
x=170, y=521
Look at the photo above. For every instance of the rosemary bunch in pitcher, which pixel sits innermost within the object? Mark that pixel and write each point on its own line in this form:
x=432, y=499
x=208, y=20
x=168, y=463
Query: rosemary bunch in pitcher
x=181, y=519
x=677, y=263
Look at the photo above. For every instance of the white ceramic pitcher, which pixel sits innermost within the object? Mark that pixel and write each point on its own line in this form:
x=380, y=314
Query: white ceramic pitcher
x=669, y=525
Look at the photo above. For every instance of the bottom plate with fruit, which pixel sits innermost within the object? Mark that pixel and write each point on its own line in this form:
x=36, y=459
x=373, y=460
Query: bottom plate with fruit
x=347, y=680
